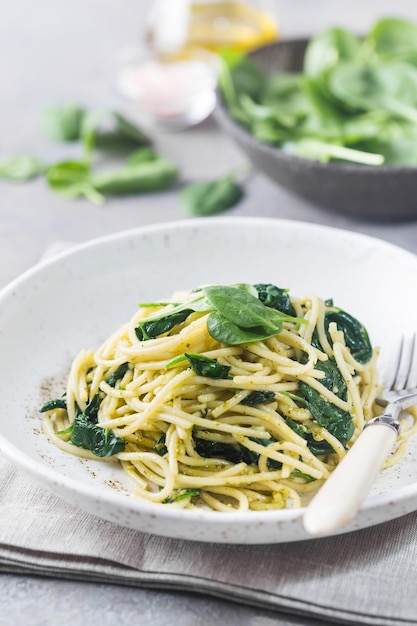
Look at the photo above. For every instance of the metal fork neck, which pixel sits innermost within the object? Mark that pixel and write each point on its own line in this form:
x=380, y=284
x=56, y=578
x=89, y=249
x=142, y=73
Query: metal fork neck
x=385, y=420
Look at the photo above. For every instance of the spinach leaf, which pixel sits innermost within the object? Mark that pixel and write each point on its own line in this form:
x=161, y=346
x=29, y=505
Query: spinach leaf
x=204, y=366
x=20, y=168
x=91, y=410
x=236, y=316
x=160, y=447
x=100, y=441
x=316, y=447
x=142, y=155
x=398, y=151
x=129, y=129
x=73, y=180
x=60, y=403
x=247, y=78
x=323, y=151
x=284, y=94
x=240, y=317
x=356, y=335
x=117, y=374
x=296, y=473
x=148, y=176
x=218, y=450
x=338, y=422
x=87, y=434
x=181, y=494
x=258, y=397
x=362, y=87
x=63, y=123
x=152, y=328
x=234, y=453
x=333, y=379
x=354, y=101
x=271, y=463
x=243, y=308
x=211, y=197
x=393, y=38
x=227, y=332
x=275, y=297
x=109, y=130
x=329, y=48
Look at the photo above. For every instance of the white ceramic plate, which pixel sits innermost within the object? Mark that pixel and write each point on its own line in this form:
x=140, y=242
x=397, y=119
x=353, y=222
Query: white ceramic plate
x=77, y=299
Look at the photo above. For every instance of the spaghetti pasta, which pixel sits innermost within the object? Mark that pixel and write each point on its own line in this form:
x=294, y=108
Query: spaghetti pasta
x=237, y=397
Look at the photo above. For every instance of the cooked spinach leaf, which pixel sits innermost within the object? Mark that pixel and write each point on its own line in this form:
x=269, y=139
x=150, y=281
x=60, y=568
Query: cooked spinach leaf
x=100, y=441
x=91, y=410
x=338, y=422
x=316, y=447
x=160, y=447
x=117, y=374
x=258, y=397
x=204, y=366
x=60, y=403
x=333, y=379
x=275, y=297
x=181, y=494
x=235, y=453
x=154, y=327
x=296, y=473
x=355, y=333
x=218, y=450
x=87, y=434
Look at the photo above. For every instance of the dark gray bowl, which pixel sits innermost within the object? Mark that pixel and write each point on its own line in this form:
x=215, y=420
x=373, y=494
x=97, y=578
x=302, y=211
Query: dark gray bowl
x=383, y=193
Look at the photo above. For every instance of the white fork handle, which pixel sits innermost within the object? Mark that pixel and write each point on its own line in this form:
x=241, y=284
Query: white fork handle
x=343, y=492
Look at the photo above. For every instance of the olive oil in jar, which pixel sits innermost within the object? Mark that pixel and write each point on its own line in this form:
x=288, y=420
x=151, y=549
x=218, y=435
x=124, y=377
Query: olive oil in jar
x=236, y=24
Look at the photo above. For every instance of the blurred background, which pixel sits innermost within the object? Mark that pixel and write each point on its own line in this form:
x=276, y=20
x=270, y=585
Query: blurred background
x=58, y=52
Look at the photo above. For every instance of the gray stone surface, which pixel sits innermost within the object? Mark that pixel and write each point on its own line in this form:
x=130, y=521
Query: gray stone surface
x=53, y=52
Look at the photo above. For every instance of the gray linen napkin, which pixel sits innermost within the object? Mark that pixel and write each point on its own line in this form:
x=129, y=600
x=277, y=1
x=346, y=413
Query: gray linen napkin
x=367, y=577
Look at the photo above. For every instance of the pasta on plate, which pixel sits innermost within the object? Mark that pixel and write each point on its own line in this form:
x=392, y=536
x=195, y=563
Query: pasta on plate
x=227, y=397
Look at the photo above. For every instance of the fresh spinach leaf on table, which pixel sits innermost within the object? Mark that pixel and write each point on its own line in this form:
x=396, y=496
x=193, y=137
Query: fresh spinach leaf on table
x=73, y=180
x=20, y=168
x=139, y=177
x=211, y=197
x=63, y=123
x=109, y=130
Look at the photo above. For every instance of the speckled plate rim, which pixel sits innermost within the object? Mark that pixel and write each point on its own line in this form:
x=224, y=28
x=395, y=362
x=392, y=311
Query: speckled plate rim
x=276, y=526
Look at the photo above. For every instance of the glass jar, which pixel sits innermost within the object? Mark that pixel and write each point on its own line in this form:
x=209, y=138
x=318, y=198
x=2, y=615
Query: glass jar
x=238, y=24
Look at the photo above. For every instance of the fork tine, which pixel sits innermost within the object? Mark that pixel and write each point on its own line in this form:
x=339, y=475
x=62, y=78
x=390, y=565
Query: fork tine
x=404, y=370
x=412, y=375
x=394, y=367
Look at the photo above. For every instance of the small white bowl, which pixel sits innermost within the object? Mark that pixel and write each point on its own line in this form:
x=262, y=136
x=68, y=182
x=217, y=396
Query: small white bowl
x=168, y=92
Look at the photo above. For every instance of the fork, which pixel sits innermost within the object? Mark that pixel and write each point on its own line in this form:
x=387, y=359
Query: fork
x=341, y=496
